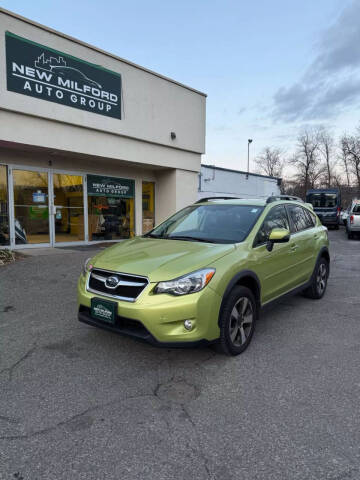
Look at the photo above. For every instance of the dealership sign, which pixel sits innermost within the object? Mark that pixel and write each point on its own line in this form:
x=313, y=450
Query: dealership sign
x=110, y=186
x=42, y=72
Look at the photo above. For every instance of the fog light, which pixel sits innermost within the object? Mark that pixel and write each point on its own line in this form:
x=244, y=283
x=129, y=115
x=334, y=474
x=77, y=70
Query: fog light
x=188, y=324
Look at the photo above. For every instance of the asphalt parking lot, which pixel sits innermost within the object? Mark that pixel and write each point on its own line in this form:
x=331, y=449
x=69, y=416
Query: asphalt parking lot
x=77, y=402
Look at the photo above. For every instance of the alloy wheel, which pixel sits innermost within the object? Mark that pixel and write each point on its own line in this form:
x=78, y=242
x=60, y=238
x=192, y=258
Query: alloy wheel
x=241, y=320
x=321, y=278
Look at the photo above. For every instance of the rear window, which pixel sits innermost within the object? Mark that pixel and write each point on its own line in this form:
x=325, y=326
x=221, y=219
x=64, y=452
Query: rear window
x=356, y=209
x=325, y=200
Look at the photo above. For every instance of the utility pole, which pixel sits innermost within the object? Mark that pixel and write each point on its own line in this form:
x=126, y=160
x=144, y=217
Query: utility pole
x=248, y=162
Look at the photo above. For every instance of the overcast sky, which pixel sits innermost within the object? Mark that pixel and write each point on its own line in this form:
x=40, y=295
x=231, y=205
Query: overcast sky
x=269, y=67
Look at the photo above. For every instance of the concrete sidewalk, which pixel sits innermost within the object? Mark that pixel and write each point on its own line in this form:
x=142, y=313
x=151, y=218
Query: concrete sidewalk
x=46, y=251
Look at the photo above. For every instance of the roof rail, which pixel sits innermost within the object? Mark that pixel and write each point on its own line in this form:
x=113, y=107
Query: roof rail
x=276, y=198
x=208, y=199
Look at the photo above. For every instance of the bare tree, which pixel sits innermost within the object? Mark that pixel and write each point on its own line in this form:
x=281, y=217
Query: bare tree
x=326, y=149
x=270, y=162
x=290, y=186
x=307, y=160
x=350, y=145
x=344, y=158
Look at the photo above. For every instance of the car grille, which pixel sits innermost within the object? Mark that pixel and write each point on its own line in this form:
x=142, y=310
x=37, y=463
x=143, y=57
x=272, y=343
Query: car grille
x=128, y=288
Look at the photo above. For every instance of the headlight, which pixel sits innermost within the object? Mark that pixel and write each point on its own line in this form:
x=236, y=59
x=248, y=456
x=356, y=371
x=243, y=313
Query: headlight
x=191, y=283
x=87, y=267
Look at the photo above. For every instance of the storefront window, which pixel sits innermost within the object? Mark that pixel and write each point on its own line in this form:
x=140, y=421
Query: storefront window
x=148, y=206
x=4, y=207
x=31, y=206
x=69, y=207
x=110, y=208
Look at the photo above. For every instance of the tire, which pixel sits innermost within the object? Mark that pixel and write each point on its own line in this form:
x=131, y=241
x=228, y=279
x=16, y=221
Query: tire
x=336, y=227
x=350, y=235
x=237, y=321
x=318, y=285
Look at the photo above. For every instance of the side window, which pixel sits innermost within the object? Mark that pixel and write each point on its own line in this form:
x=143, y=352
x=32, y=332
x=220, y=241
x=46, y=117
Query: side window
x=276, y=218
x=299, y=218
x=311, y=219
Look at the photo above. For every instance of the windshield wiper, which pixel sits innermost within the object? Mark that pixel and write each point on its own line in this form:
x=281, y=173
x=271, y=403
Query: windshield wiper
x=186, y=237
x=153, y=235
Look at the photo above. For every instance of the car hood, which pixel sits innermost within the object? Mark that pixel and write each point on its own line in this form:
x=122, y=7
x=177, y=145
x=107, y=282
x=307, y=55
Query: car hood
x=160, y=259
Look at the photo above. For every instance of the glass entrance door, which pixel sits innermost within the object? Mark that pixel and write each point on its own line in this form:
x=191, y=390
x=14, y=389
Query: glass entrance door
x=4, y=207
x=31, y=207
x=68, y=214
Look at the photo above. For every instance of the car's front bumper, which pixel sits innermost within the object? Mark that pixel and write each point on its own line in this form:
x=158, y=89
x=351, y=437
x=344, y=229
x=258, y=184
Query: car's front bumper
x=159, y=318
x=127, y=327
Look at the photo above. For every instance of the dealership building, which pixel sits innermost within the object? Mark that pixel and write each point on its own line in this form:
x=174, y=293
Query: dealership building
x=92, y=147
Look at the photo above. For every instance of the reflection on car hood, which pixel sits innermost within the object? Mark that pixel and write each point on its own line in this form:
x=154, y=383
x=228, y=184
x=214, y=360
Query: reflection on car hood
x=160, y=259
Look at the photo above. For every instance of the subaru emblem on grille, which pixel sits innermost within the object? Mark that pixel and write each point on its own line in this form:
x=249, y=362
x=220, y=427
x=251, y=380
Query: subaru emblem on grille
x=112, y=282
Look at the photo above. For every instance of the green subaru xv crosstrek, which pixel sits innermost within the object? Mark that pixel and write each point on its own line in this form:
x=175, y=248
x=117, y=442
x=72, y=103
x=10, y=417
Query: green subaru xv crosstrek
x=203, y=275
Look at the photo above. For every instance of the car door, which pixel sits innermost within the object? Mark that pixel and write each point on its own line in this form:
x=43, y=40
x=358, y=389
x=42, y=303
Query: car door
x=302, y=242
x=274, y=268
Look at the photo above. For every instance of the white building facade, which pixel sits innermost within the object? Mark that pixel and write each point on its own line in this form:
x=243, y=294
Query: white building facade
x=92, y=147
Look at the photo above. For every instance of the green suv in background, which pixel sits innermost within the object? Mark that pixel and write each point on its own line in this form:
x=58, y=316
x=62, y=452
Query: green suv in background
x=203, y=275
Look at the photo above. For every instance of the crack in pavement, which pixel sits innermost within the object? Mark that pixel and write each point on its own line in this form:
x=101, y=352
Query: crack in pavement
x=10, y=370
x=169, y=378
x=62, y=423
x=165, y=376
x=198, y=440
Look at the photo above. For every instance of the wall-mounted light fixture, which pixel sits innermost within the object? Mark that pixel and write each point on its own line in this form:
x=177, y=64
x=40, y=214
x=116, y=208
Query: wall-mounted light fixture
x=172, y=135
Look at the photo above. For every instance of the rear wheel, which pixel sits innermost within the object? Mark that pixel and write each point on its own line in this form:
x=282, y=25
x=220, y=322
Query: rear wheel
x=319, y=281
x=350, y=235
x=336, y=227
x=237, y=321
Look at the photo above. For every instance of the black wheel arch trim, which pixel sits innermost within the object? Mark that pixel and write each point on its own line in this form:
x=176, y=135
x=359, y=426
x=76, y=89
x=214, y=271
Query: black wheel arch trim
x=235, y=281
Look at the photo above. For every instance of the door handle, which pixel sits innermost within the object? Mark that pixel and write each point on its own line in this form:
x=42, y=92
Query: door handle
x=293, y=248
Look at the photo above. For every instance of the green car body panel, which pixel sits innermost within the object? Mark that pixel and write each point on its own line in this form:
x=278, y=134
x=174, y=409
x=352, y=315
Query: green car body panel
x=287, y=267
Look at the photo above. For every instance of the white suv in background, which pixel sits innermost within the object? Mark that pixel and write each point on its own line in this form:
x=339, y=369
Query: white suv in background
x=353, y=220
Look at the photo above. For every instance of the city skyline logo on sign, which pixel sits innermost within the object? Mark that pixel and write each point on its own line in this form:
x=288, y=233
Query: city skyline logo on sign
x=58, y=67
x=37, y=71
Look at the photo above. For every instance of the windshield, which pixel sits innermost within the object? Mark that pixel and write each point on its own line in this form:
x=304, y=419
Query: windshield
x=209, y=223
x=325, y=200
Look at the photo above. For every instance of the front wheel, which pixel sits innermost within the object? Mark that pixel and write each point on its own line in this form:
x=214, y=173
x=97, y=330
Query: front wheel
x=237, y=321
x=319, y=281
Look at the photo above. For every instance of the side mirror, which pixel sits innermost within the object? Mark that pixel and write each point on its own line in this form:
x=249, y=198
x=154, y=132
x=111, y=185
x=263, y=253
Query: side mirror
x=277, y=235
